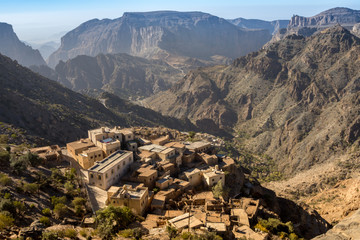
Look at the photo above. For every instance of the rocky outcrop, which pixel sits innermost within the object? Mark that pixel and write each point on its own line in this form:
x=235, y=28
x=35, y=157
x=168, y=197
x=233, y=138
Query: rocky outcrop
x=343, y=16
x=271, y=26
x=347, y=229
x=307, y=26
x=11, y=46
x=356, y=29
x=297, y=100
x=160, y=35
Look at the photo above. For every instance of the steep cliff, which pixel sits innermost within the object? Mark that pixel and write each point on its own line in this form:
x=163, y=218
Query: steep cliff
x=124, y=75
x=271, y=26
x=11, y=46
x=307, y=26
x=161, y=35
x=296, y=101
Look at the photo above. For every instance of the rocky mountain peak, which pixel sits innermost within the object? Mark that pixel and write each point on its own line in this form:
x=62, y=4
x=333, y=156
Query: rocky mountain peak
x=11, y=46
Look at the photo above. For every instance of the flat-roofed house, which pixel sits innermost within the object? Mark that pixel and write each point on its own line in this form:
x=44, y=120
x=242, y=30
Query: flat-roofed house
x=179, y=150
x=85, y=152
x=105, y=138
x=88, y=157
x=136, y=199
x=147, y=175
x=127, y=134
x=164, y=153
x=210, y=160
x=193, y=176
x=107, y=172
x=199, y=146
x=212, y=177
x=161, y=140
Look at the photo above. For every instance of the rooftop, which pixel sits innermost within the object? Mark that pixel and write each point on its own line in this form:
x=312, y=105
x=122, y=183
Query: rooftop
x=92, y=149
x=167, y=150
x=198, y=144
x=82, y=143
x=137, y=192
x=174, y=145
x=152, y=148
x=110, y=161
x=213, y=173
x=191, y=171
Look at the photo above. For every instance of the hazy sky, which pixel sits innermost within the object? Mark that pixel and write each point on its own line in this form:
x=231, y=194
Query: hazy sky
x=42, y=20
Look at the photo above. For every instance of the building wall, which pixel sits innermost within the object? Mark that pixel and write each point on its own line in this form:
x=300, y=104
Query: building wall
x=213, y=180
x=104, y=180
x=195, y=179
x=137, y=205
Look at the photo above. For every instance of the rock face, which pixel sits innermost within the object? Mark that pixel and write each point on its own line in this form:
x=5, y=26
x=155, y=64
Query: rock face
x=271, y=26
x=347, y=229
x=11, y=46
x=297, y=100
x=307, y=26
x=343, y=16
x=48, y=110
x=121, y=74
x=356, y=29
x=160, y=35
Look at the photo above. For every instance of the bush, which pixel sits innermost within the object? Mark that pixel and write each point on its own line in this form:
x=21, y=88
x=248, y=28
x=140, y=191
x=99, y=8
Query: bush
x=56, y=200
x=57, y=175
x=79, y=201
x=31, y=188
x=4, y=139
x=60, y=210
x=79, y=211
x=69, y=187
x=5, y=180
x=8, y=206
x=20, y=207
x=19, y=164
x=172, y=232
x=46, y=212
x=45, y=220
x=276, y=227
x=4, y=158
x=6, y=221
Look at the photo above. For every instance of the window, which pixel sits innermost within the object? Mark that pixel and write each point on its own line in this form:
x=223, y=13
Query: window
x=91, y=176
x=99, y=177
x=118, y=166
x=106, y=176
x=213, y=179
x=124, y=163
x=220, y=177
x=112, y=171
x=91, y=157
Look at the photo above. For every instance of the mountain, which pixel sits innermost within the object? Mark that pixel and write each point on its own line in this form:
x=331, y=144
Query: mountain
x=45, y=49
x=167, y=35
x=124, y=75
x=11, y=46
x=295, y=101
x=44, y=108
x=271, y=26
x=307, y=26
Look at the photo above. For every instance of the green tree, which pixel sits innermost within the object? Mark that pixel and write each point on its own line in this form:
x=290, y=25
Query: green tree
x=31, y=188
x=5, y=180
x=6, y=221
x=112, y=219
x=60, y=210
x=79, y=201
x=45, y=220
x=218, y=190
x=19, y=164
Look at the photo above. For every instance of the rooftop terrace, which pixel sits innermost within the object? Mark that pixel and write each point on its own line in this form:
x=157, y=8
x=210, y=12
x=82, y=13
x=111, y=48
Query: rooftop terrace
x=110, y=161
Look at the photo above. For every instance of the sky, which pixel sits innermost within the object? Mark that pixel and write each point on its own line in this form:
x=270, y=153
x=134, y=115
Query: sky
x=38, y=21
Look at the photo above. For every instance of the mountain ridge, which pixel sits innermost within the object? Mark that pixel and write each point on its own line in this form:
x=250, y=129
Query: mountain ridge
x=161, y=35
x=12, y=47
x=278, y=97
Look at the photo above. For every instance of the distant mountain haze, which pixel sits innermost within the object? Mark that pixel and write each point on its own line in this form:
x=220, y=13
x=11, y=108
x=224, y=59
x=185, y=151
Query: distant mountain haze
x=11, y=46
x=160, y=35
x=271, y=26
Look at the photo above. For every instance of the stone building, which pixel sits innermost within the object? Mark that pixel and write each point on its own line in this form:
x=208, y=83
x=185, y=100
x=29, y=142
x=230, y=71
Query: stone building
x=109, y=171
x=136, y=199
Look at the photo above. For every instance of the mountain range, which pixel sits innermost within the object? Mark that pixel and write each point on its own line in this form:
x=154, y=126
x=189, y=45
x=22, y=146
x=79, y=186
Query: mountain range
x=47, y=110
x=271, y=26
x=124, y=75
x=296, y=101
x=161, y=35
x=11, y=46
